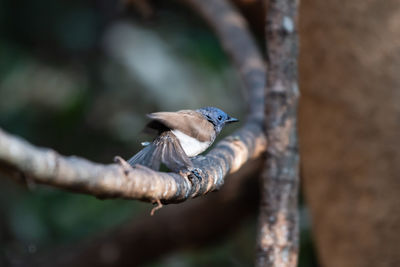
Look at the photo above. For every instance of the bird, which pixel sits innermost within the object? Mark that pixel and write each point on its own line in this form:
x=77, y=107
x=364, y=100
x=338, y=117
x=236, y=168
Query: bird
x=180, y=136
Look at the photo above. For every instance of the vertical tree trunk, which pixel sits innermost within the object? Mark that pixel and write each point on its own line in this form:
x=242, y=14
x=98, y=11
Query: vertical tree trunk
x=350, y=129
x=278, y=221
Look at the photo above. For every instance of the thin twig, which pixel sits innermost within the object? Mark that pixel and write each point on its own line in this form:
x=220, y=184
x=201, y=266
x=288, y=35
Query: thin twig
x=159, y=206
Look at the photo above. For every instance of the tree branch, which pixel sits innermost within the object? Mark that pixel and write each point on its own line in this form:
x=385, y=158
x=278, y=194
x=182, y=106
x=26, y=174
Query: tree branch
x=45, y=166
x=232, y=30
x=190, y=225
x=278, y=221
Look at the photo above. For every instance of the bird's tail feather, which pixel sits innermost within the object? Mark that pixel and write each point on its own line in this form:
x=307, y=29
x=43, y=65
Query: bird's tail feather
x=149, y=156
x=164, y=149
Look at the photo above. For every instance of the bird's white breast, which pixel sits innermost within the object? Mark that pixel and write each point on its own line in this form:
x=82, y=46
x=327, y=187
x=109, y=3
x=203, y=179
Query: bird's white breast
x=190, y=145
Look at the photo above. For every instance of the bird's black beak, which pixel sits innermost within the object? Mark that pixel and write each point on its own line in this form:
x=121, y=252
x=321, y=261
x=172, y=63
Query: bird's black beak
x=231, y=119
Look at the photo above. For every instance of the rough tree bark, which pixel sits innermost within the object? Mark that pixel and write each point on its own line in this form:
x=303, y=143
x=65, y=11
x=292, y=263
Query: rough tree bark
x=278, y=221
x=45, y=166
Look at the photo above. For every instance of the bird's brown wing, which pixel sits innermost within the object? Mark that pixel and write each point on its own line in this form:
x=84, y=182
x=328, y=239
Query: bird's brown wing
x=189, y=122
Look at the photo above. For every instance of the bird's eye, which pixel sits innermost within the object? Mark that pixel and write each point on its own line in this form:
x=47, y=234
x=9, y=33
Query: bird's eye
x=219, y=117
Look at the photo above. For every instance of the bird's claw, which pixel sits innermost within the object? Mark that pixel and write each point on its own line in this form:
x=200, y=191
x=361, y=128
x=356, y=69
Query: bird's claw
x=197, y=173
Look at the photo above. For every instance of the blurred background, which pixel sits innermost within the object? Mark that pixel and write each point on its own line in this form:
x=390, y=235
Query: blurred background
x=79, y=77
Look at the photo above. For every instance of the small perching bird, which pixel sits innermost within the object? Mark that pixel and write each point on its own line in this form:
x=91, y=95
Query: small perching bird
x=180, y=136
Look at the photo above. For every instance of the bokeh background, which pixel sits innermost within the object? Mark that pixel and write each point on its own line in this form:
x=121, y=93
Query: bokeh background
x=79, y=77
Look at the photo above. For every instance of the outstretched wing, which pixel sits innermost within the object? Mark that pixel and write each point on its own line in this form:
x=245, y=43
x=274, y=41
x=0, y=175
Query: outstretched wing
x=164, y=149
x=148, y=156
x=189, y=122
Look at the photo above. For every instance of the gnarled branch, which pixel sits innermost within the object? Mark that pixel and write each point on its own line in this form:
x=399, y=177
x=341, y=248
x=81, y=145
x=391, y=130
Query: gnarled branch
x=45, y=166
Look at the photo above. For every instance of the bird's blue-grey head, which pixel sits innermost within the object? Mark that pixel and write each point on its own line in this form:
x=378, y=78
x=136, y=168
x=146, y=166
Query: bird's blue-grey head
x=217, y=117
